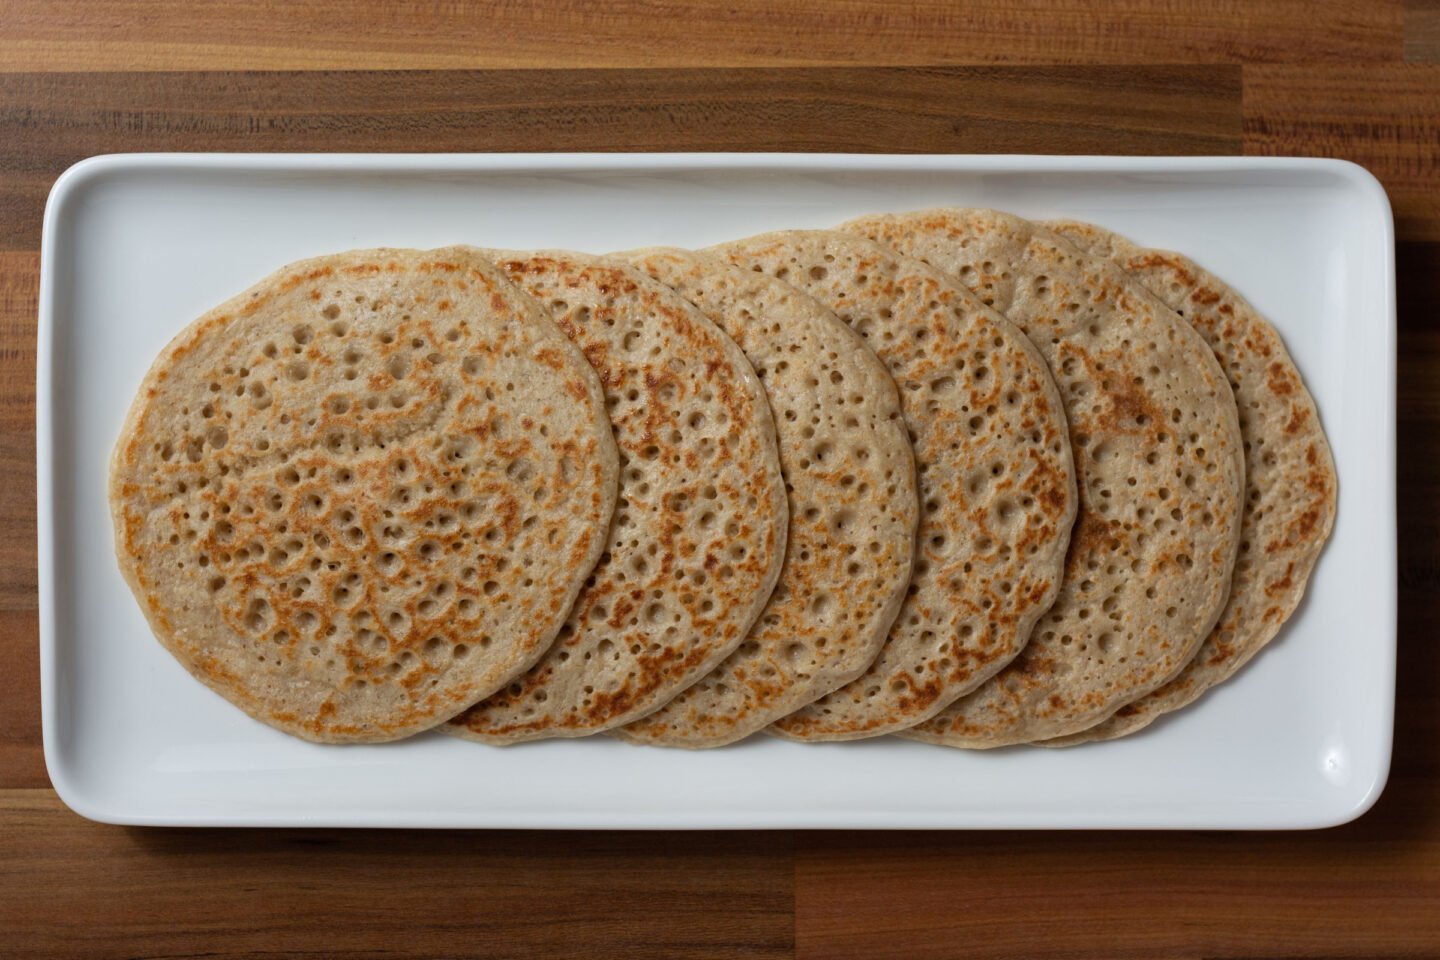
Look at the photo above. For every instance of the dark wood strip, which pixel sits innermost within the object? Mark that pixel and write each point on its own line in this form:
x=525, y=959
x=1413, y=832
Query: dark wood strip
x=1384, y=117
x=118, y=892
x=22, y=763
x=1417, y=720
x=1366, y=890
x=411, y=34
x=48, y=121
x=22, y=758
x=19, y=290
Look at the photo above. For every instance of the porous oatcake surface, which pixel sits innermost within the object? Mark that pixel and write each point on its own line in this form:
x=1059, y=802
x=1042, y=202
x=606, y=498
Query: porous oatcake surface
x=850, y=474
x=1290, y=480
x=363, y=494
x=993, y=473
x=1159, y=463
x=700, y=521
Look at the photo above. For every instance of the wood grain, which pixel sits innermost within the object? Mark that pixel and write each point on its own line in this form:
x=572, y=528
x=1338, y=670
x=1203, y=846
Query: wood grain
x=114, y=892
x=413, y=34
x=1367, y=890
x=1323, y=77
x=22, y=757
x=1422, y=31
x=22, y=762
x=1386, y=118
x=19, y=292
x=48, y=121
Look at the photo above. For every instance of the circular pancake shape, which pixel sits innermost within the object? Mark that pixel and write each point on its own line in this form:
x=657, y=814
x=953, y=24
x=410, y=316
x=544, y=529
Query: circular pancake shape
x=335, y=500
x=850, y=475
x=1290, y=482
x=1158, y=454
x=992, y=467
x=700, y=522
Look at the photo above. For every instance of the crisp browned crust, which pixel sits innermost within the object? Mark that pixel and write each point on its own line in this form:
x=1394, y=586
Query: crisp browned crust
x=1290, y=481
x=993, y=468
x=700, y=523
x=364, y=493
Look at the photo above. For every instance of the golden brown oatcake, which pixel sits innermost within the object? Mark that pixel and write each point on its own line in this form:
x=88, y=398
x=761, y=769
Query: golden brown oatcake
x=1289, y=475
x=992, y=467
x=700, y=521
x=851, y=481
x=364, y=493
x=1158, y=454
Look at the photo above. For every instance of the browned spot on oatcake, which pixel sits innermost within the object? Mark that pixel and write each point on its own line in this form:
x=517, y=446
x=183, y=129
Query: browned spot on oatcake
x=1223, y=652
x=1280, y=380
x=1303, y=526
x=1299, y=416
x=1154, y=260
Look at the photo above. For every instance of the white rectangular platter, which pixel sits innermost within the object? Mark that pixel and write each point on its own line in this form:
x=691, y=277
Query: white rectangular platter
x=137, y=246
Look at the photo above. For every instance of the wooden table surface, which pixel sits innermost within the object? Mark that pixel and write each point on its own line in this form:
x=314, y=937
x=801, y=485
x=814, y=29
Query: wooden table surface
x=1348, y=78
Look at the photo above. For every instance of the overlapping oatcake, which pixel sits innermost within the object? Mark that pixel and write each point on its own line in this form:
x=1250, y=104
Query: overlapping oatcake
x=363, y=494
x=700, y=521
x=1290, y=482
x=851, y=480
x=992, y=468
x=1159, y=461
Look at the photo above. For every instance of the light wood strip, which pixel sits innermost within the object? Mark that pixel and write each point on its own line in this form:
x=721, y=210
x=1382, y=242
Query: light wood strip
x=415, y=34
